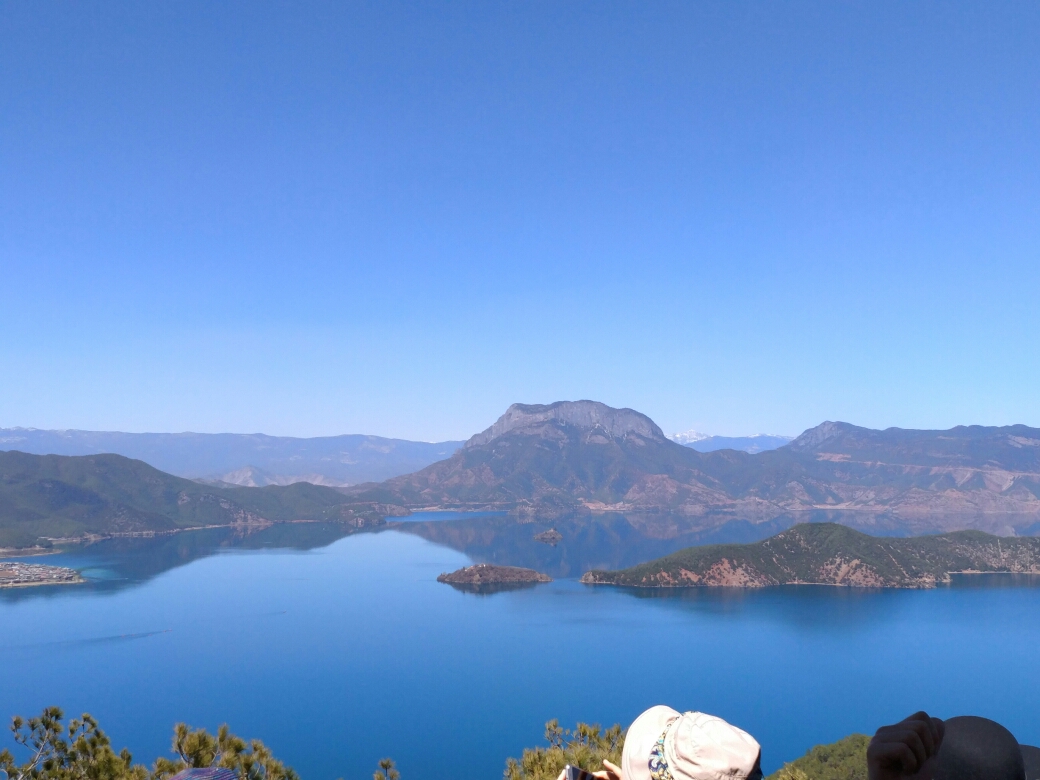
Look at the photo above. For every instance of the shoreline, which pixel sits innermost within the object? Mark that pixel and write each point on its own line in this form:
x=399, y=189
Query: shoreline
x=70, y=541
x=42, y=584
x=26, y=552
x=59, y=541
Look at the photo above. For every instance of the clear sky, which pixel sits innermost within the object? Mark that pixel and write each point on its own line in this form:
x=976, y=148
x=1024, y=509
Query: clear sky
x=319, y=218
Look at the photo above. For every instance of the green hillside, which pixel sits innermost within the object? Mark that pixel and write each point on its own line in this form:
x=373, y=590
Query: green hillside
x=53, y=496
x=830, y=554
x=845, y=759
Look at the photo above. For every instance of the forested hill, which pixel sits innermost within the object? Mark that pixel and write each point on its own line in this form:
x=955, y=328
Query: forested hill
x=54, y=496
x=829, y=554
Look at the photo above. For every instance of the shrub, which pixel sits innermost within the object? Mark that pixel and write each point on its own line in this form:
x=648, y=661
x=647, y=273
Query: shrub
x=586, y=747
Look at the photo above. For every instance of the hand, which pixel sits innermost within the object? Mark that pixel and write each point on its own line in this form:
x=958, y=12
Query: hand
x=612, y=772
x=905, y=751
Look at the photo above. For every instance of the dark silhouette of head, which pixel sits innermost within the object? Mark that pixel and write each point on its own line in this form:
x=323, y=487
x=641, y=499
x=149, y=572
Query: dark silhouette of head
x=978, y=749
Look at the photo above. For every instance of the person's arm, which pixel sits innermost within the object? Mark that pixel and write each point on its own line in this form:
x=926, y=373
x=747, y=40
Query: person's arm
x=905, y=750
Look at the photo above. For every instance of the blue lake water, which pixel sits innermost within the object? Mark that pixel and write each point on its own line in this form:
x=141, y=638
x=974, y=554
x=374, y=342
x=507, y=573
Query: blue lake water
x=341, y=654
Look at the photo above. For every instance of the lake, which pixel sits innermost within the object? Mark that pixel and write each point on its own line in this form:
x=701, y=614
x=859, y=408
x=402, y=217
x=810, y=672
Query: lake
x=338, y=651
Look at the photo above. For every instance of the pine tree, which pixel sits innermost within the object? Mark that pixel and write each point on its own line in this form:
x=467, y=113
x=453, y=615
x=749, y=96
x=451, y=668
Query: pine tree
x=386, y=771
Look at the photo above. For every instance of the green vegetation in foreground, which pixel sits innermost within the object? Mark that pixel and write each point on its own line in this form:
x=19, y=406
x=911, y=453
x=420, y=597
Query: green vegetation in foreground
x=831, y=554
x=82, y=751
x=60, y=497
x=586, y=747
x=845, y=759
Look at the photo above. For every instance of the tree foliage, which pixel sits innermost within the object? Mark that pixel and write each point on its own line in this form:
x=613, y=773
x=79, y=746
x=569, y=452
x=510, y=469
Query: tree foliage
x=845, y=759
x=79, y=751
x=387, y=771
x=199, y=748
x=586, y=747
x=82, y=751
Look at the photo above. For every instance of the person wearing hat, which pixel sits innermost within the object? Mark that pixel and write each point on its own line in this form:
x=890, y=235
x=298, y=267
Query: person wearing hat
x=963, y=748
x=664, y=744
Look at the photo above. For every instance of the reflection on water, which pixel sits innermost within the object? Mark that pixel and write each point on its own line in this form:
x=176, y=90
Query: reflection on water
x=571, y=546
x=114, y=564
x=564, y=547
x=607, y=541
x=488, y=588
x=581, y=542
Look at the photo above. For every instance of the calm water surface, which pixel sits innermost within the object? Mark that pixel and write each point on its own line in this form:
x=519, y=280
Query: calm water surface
x=342, y=654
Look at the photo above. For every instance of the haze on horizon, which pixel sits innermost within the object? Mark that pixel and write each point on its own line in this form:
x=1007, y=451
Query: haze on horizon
x=398, y=219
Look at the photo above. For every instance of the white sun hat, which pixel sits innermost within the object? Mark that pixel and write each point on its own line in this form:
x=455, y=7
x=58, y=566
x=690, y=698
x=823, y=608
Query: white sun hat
x=663, y=744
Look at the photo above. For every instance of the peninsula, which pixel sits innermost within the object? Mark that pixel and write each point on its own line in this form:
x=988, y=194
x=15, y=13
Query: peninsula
x=830, y=554
x=15, y=574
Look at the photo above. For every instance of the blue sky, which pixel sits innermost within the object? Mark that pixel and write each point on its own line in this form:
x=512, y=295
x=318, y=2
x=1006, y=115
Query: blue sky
x=319, y=218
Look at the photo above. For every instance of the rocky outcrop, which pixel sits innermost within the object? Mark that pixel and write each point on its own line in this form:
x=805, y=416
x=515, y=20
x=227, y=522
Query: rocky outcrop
x=823, y=432
x=596, y=418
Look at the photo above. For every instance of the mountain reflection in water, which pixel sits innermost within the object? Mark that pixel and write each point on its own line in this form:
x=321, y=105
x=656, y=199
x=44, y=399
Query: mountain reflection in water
x=607, y=541
x=114, y=564
x=584, y=542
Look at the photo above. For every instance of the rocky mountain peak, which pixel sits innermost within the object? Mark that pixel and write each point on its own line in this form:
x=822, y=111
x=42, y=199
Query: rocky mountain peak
x=825, y=431
x=588, y=415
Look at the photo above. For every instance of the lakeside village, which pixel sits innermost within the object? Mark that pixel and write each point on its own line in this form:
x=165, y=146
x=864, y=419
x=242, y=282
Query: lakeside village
x=15, y=574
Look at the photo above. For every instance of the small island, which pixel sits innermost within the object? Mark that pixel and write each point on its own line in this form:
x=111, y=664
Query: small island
x=14, y=574
x=488, y=578
x=551, y=537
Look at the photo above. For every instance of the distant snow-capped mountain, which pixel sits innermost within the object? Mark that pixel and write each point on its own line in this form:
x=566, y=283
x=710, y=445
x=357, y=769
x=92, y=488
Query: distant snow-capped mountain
x=688, y=438
x=758, y=442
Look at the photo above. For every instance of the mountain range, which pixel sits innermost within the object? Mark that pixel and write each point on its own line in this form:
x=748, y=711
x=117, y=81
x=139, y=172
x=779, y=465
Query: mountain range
x=549, y=461
x=252, y=460
x=586, y=456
